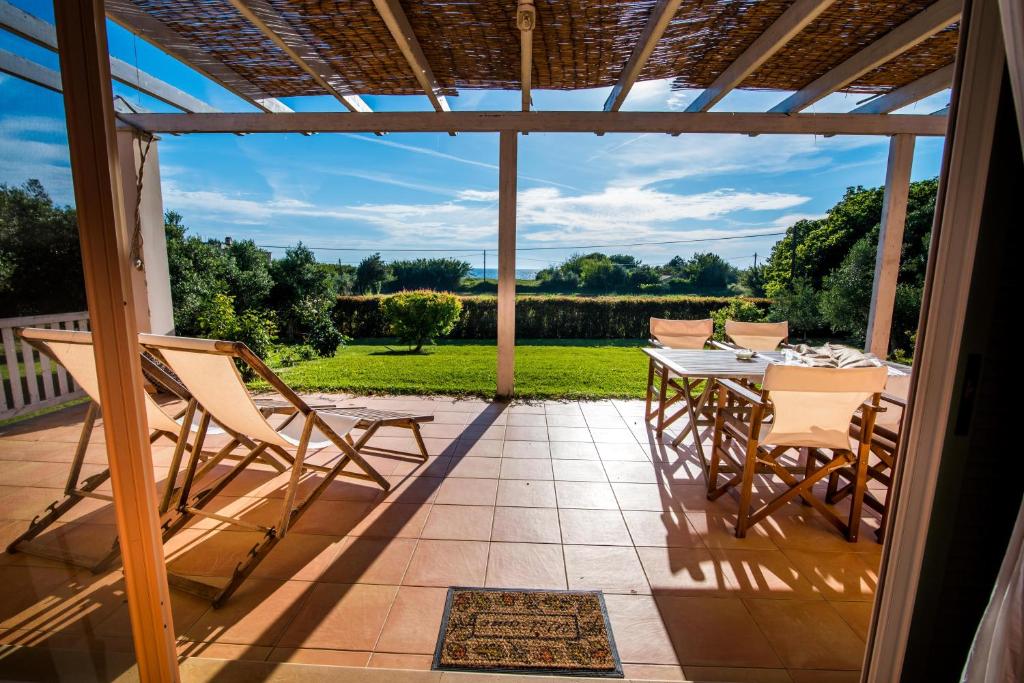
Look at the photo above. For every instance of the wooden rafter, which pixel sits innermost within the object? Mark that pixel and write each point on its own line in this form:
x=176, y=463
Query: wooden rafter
x=526, y=20
x=544, y=121
x=897, y=41
x=782, y=30
x=930, y=84
x=27, y=70
x=170, y=41
x=661, y=15
x=271, y=24
x=43, y=34
x=398, y=24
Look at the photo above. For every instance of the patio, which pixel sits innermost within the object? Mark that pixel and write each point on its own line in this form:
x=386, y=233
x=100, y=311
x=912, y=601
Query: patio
x=553, y=495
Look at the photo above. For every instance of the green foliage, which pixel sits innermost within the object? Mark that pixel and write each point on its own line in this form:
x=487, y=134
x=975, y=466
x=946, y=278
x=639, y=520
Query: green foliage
x=419, y=317
x=371, y=274
x=217, y=319
x=287, y=356
x=799, y=306
x=324, y=337
x=302, y=288
x=40, y=263
x=751, y=281
x=707, y=272
x=846, y=291
x=737, y=309
x=440, y=274
x=544, y=317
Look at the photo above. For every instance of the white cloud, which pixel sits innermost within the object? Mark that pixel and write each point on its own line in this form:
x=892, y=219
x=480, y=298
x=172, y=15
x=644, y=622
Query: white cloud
x=23, y=156
x=478, y=195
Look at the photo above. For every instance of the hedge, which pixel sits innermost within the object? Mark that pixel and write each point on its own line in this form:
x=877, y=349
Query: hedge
x=544, y=317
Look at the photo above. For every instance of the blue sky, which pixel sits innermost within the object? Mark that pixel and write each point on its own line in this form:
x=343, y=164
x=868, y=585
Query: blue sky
x=432, y=191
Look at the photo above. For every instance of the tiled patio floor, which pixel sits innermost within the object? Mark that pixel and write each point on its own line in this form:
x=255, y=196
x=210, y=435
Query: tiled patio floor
x=553, y=495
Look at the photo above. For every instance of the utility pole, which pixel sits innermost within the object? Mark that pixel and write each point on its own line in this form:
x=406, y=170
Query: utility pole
x=755, y=260
x=485, y=265
x=792, y=258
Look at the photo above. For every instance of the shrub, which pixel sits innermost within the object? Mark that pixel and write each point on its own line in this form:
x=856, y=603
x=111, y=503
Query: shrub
x=256, y=329
x=737, y=309
x=798, y=305
x=418, y=317
x=324, y=337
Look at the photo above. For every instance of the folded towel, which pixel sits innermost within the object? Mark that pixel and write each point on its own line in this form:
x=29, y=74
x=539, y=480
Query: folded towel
x=829, y=356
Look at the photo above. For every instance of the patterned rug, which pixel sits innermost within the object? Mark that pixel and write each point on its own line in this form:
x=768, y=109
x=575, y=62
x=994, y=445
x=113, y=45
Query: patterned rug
x=526, y=631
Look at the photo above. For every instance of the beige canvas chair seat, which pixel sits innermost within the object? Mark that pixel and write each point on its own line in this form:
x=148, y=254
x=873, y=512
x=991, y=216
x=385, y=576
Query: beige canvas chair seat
x=681, y=334
x=207, y=368
x=757, y=336
x=801, y=410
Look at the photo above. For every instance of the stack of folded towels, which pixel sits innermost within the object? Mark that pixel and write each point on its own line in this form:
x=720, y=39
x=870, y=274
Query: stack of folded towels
x=829, y=356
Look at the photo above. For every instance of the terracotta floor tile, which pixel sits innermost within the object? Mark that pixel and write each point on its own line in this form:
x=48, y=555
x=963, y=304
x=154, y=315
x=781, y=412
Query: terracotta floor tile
x=649, y=497
x=736, y=675
x=526, y=493
x=718, y=530
x=480, y=448
x=810, y=531
x=257, y=614
x=607, y=434
x=330, y=517
x=447, y=563
x=569, y=434
x=526, y=449
x=527, y=420
x=578, y=470
x=573, y=450
x=661, y=529
x=857, y=615
x=320, y=657
x=566, y=420
x=653, y=672
x=639, y=631
x=593, y=527
x=225, y=651
x=299, y=557
x=687, y=571
x=631, y=472
x=822, y=676
x=562, y=408
x=459, y=522
x=525, y=565
x=526, y=434
x=411, y=663
x=371, y=560
x=340, y=616
x=414, y=621
x=612, y=569
x=763, y=573
x=526, y=525
x=705, y=632
x=524, y=468
x=589, y=495
x=519, y=408
x=808, y=634
x=838, y=576
x=457, y=491
x=412, y=489
x=393, y=520
x=476, y=468
x=621, y=451
x=434, y=466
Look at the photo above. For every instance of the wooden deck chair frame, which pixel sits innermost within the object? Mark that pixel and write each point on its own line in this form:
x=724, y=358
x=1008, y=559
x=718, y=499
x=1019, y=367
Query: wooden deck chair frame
x=820, y=461
x=177, y=352
x=669, y=390
x=177, y=428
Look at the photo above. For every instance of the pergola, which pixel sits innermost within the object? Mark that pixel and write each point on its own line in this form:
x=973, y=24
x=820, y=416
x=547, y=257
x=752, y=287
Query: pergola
x=264, y=50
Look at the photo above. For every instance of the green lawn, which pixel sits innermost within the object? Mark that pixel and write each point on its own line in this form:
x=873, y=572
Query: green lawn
x=564, y=368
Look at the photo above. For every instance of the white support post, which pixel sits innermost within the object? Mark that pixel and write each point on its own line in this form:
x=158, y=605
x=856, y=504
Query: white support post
x=507, y=166
x=151, y=285
x=890, y=243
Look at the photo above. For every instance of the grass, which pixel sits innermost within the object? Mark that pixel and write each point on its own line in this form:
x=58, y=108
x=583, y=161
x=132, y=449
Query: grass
x=563, y=368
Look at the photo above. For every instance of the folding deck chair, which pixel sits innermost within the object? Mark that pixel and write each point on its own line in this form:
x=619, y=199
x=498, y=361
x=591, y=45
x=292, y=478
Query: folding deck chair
x=671, y=334
x=74, y=351
x=757, y=336
x=207, y=369
x=811, y=411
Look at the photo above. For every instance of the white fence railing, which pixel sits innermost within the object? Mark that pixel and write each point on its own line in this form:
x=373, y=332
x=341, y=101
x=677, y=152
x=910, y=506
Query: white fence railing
x=30, y=379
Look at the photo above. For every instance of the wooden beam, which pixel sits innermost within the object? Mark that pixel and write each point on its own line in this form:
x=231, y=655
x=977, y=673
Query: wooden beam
x=394, y=18
x=774, y=38
x=661, y=16
x=103, y=235
x=507, y=169
x=152, y=30
x=897, y=41
x=927, y=85
x=890, y=244
x=542, y=121
x=526, y=20
x=1011, y=13
x=271, y=24
x=27, y=70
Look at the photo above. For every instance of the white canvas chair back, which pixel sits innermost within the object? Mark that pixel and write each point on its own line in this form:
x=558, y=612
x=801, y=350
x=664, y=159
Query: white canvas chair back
x=814, y=406
x=757, y=336
x=682, y=334
x=74, y=351
x=207, y=369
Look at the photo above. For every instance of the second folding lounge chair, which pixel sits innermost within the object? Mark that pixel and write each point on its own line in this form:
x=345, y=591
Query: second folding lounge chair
x=207, y=369
x=811, y=410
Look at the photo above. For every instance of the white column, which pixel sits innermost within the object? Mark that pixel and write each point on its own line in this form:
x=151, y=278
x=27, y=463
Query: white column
x=890, y=242
x=152, y=284
x=507, y=264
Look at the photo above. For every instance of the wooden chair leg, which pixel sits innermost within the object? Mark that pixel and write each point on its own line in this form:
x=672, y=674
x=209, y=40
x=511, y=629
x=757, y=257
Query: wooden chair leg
x=857, y=499
x=746, y=490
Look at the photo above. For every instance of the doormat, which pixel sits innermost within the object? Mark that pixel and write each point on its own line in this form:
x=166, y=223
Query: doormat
x=526, y=631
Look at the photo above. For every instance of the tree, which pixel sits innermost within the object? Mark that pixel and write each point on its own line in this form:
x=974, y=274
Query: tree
x=303, y=290
x=40, y=262
x=439, y=274
x=709, y=273
x=371, y=275
x=799, y=306
x=751, y=281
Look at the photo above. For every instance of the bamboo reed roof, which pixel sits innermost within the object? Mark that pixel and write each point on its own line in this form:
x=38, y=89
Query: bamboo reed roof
x=474, y=44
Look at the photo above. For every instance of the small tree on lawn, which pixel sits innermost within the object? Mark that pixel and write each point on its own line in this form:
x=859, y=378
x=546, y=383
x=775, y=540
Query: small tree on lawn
x=419, y=317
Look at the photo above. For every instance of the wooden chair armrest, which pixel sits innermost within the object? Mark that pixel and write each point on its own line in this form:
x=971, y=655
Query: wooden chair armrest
x=723, y=346
x=894, y=399
x=655, y=343
x=741, y=391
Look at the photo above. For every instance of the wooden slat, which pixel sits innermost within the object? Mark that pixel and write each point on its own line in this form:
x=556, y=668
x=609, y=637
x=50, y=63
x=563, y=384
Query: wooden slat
x=661, y=15
x=62, y=374
x=28, y=358
x=897, y=41
x=26, y=70
x=543, y=121
x=526, y=20
x=398, y=24
x=103, y=236
x=46, y=373
x=936, y=81
x=890, y=243
x=11, y=354
x=507, y=165
x=33, y=320
x=782, y=30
